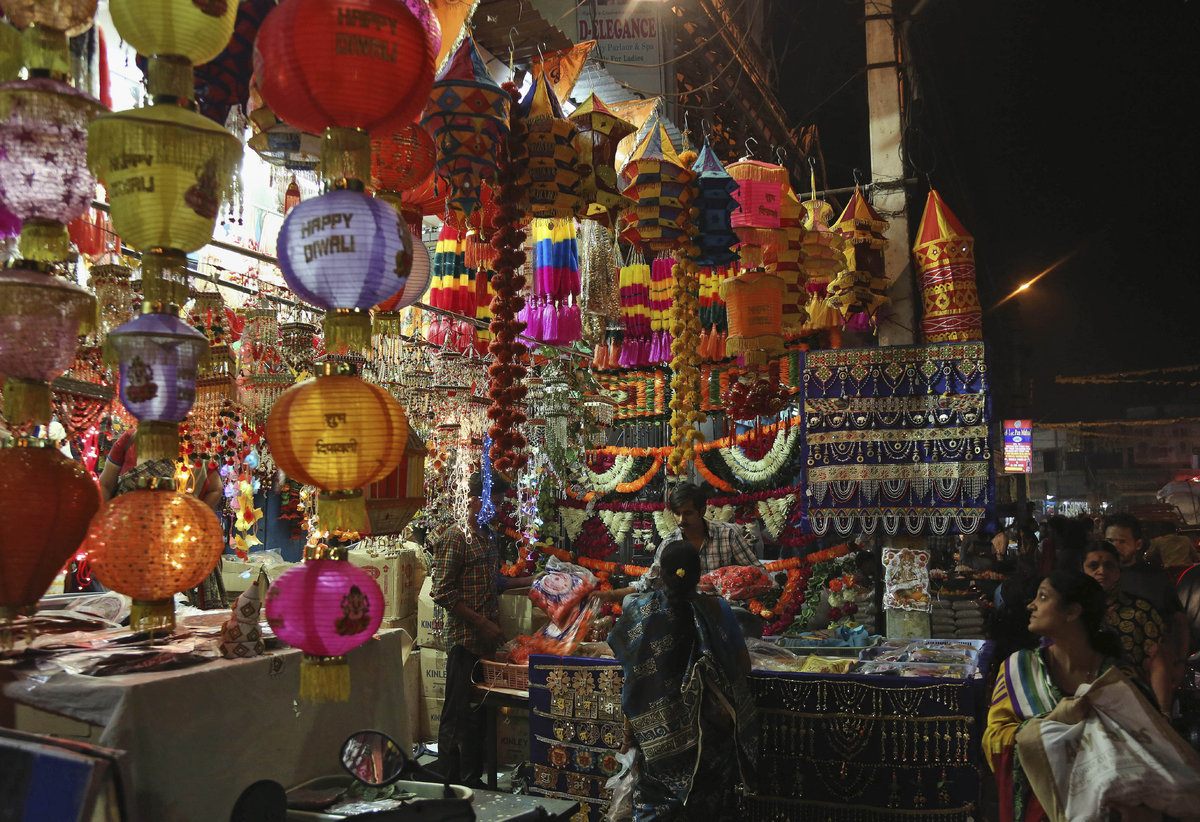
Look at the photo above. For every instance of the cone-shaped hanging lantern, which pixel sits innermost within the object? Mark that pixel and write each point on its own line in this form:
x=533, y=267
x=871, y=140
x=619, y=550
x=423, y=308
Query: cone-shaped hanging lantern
x=338, y=434
x=821, y=251
x=657, y=181
x=716, y=202
x=50, y=500
x=151, y=544
x=553, y=189
x=599, y=133
x=945, y=256
x=859, y=289
x=468, y=118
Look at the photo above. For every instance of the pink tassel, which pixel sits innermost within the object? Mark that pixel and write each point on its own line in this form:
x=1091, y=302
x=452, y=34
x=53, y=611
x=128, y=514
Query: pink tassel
x=549, y=323
x=533, y=319
x=626, y=348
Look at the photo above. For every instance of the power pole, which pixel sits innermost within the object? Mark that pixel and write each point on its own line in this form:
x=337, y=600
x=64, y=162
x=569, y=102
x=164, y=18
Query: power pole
x=887, y=167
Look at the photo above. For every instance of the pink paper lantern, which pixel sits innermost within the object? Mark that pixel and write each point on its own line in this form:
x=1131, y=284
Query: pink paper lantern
x=324, y=607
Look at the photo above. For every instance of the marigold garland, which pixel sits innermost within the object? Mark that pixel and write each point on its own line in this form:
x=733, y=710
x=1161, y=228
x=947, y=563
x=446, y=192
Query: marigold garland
x=686, y=414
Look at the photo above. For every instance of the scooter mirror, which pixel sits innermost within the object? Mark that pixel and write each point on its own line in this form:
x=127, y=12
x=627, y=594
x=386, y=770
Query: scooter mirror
x=373, y=758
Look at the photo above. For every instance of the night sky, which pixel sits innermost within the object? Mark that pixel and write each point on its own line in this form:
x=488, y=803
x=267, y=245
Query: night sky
x=1051, y=129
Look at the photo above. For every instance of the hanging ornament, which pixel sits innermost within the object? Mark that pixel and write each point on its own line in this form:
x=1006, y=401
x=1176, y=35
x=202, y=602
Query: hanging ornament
x=468, y=118
x=393, y=501
x=754, y=304
x=945, y=256
x=554, y=165
x=278, y=143
x=657, y=181
x=756, y=219
x=858, y=290
x=716, y=202
x=113, y=285
x=151, y=543
x=600, y=130
x=402, y=160
x=821, y=250
x=50, y=500
x=785, y=260
x=338, y=434
x=261, y=362
x=599, y=289
x=387, y=313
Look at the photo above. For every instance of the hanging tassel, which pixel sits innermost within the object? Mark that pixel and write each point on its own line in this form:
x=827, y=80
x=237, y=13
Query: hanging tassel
x=27, y=401
x=154, y=615
x=324, y=679
x=347, y=329
x=156, y=440
x=343, y=510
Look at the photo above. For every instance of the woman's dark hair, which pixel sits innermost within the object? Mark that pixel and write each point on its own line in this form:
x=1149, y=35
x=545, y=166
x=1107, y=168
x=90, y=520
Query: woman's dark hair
x=679, y=556
x=687, y=492
x=1103, y=546
x=1077, y=588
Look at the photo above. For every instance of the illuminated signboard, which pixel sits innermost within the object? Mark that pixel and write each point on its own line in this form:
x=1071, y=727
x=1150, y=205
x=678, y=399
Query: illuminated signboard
x=1018, y=446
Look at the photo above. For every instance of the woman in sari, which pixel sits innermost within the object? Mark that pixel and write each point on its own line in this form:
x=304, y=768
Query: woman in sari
x=1068, y=610
x=686, y=697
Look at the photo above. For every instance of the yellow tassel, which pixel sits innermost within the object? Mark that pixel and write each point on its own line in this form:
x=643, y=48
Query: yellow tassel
x=387, y=323
x=154, y=615
x=347, y=330
x=164, y=277
x=44, y=241
x=343, y=511
x=27, y=401
x=324, y=679
x=157, y=440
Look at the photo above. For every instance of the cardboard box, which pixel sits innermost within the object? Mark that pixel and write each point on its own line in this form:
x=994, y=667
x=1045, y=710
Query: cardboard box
x=399, y=575
x=431, y=619
x=433, y=673
x=512, y=737
x=518, y=615
x=414, y=702
x=408, y=623
x=431, y=719
x=37, y=721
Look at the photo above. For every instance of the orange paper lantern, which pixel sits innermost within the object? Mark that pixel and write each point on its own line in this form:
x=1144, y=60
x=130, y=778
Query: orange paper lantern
x=150, y=544
x=754, y=305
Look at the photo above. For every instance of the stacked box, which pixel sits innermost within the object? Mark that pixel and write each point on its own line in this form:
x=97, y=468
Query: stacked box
x=431, y=619
x=957, y=619
x=433, y=691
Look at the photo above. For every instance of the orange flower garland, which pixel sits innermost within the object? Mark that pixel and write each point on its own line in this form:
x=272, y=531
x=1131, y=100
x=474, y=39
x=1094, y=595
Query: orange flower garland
x=686, y=413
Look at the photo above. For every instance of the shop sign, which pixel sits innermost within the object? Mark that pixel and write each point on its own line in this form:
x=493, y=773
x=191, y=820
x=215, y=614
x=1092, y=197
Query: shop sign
x=1018, y=446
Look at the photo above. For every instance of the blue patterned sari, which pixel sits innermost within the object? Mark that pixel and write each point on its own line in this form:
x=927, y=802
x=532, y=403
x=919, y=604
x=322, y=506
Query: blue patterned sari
x=688, y=700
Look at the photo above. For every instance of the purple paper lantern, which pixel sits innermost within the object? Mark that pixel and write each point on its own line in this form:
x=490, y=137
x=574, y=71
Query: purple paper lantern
x=43, y=150
x=324, y=607
x=345, y=252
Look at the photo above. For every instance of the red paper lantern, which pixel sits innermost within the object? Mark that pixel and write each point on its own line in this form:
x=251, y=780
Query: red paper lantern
x=50, y=500
x=365, y=64
x=402, y=159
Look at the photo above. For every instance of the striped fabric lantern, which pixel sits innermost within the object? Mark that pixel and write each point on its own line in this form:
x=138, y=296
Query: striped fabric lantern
x=785, y=260
x=554, y=175
x=600, y=130
x=716, y=203
x=857, y=292
x=754, y=303
x=945, y=256
x=661, y=188
x=394, y=500
x=756, y=220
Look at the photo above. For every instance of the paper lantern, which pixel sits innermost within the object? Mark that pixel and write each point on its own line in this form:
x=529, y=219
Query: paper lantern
x=50, y=500
x=167, y=171
x=715, y=202
x=326, y=608
x=657, y=181
x=468, y=118
x=554, y=165
x=387, y=313
x=41, y=318
x=44, y=178
x=196, y=30
x=345, y=252
x=859, y=288
x=600, y=130
x=945, y=255
x=10, y=52
x=754, y=305
x=151, y=544
x=159, y=356
x=394, y=500
x=756, y=219
x=402, y=159
x=785, y=260
x=338, y=434
x=821, y=251
x=352, y=63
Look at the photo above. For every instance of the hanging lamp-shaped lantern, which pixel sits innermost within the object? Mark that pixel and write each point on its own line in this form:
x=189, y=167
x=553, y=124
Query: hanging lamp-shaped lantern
x=858, y=290
x=554, y=164
x=660, y=186
x=945, y=254
x=600, y=130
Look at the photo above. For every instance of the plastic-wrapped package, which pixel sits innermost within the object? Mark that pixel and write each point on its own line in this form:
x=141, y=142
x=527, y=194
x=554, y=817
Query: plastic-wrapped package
x=739, y=582
x=561, y=589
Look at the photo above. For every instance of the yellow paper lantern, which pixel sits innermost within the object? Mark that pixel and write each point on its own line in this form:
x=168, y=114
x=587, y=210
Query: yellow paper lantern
x=754, y=304
x=197, y=30
x=167, y=170
x=338, y=434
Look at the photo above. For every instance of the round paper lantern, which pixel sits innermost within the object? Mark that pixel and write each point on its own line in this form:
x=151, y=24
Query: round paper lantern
x=150, y=544
x=41, y=318
x=43, y=161
x=353, y=63
x=345, y=252
x=159, y=355
x=194, y=29
x=387, y=313
x=324, y=607
x=402, y=159
x=167, y=171
x=50, y=500
x=338, y=434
